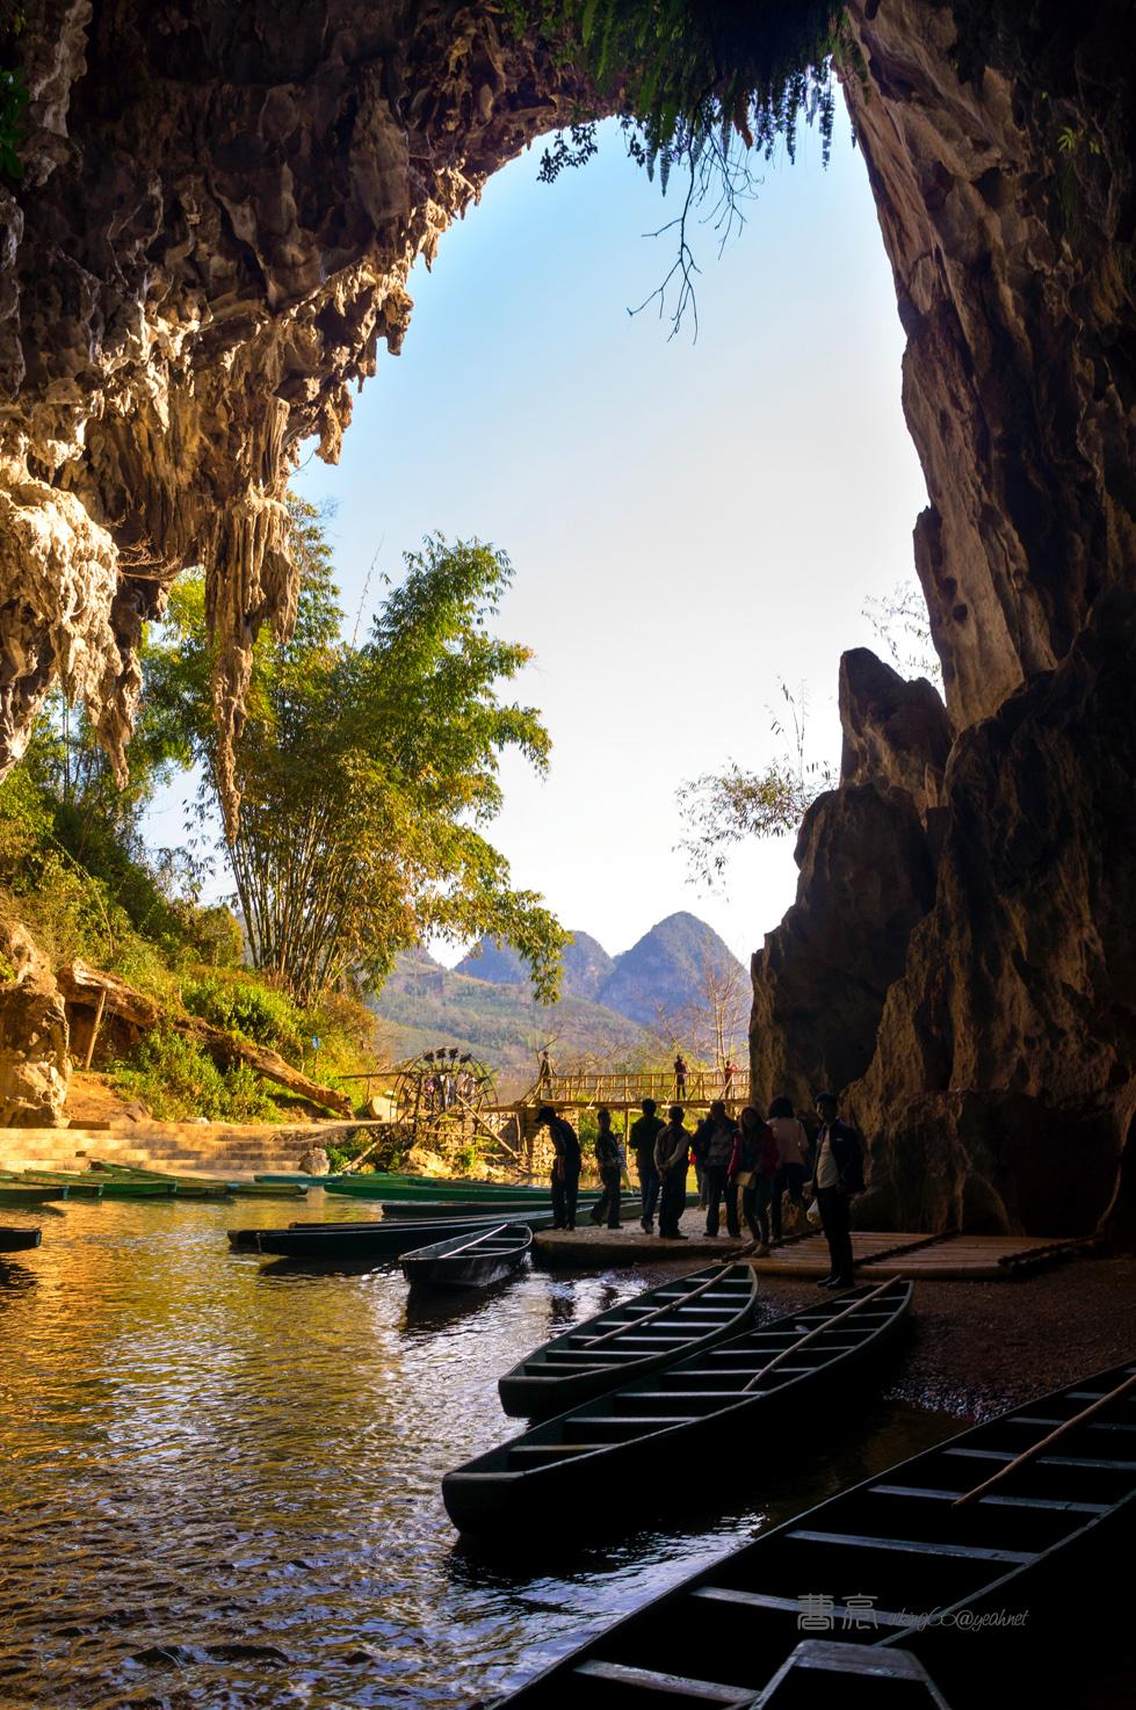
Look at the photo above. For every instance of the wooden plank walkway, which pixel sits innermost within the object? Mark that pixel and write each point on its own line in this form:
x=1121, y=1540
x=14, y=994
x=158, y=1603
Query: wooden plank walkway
x=877, y=1253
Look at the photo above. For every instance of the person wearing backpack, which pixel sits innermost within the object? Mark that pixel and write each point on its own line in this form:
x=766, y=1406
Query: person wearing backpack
x=716, y=1136
x=753, y=1168
x=838, y=1174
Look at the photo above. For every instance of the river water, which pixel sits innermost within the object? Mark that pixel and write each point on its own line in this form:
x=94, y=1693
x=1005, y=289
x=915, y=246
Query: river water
x=220, y=1476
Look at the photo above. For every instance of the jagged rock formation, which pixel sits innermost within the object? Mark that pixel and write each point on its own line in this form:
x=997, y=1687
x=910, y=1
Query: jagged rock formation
x=997, y=1084
x=35, y=1067
x=220, y=208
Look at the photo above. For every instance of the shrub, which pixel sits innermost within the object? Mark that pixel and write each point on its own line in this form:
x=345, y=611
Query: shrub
x=244, y=1005
x=177, y=1081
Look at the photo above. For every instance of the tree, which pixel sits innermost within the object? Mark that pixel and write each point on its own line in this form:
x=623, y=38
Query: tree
x=714, y=1020
x=367, y=773
x=903, y=624
x=722, y=809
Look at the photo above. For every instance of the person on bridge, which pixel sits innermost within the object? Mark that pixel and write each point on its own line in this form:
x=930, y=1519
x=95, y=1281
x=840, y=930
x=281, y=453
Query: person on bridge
x=645, y=1131
x=680, y=1075
x=837, y=1174
x=729, y=1070
x=611, y=1161
x=672, y=1148
x=565, y=1178
x=715, y=1142
x=544, y=1074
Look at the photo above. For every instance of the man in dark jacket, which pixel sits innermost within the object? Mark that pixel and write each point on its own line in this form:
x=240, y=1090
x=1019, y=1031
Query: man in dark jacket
x=838, y=1173
x=644, y=1132
x=672, y=1148
x=565, y=1166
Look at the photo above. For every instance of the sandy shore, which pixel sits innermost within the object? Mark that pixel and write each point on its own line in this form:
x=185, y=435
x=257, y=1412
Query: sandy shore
x=980, y=1347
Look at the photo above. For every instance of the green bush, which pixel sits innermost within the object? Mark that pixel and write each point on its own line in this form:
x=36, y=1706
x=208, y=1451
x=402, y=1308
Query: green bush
x=242, y=1004
x=178, y=1081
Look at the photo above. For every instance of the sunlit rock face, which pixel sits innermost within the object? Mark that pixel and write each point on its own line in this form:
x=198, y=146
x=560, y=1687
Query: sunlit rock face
x=35, y=1067
x=219, y=209
x=995, y=1079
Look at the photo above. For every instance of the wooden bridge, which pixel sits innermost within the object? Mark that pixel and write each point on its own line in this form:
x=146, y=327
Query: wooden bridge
x=698, y=1088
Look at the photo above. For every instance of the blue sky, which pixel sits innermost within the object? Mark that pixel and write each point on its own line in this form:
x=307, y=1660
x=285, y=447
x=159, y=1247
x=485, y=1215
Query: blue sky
x=689, y=523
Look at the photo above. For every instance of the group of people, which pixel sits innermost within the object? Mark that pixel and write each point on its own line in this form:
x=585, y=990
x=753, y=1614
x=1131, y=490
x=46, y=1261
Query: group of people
x=747, y=1168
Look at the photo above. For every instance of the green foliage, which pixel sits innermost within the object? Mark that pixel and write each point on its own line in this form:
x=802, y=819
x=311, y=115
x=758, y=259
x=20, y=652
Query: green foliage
x=13, y=88
x=367, y=772
x=700, y=85
x=177, y=1081
x=247, y=1007
x=722, y=809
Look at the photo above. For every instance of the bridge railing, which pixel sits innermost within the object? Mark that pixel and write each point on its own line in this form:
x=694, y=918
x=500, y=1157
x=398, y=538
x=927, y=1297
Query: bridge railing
x=697, y=1086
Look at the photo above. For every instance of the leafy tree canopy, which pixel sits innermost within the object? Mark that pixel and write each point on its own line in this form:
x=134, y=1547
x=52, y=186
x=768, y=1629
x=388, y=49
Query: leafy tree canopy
x=368, y=772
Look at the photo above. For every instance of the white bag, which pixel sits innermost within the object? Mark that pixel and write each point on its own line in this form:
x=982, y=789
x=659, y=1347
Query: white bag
x=813, y=1214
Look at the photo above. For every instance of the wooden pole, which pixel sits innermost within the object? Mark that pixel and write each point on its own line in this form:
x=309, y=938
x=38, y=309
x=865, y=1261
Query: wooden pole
x=1116, y=1394
x=99, y=1008
x=827, y=1325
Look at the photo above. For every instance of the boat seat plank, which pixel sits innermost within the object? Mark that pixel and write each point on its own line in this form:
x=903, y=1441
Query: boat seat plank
x=755, y=1601
x=1046, y=1503
x=536, y=1450
x=913, y=1546
x=1089, y=1424
x=667, y=1685
x=640, y=1418
x=1044, y=1460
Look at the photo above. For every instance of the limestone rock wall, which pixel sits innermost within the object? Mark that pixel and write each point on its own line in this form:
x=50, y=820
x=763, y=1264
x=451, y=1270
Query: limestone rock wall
x=998, y=1088
x=35, y=1067
x=211, y=240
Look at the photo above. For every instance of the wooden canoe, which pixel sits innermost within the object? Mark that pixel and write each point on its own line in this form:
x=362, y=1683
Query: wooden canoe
x=363, y=1240
x=628, y=1342
x=18, y=1240
x=469, y=1261
x=724, y=1395
x=1048, y=1543
x=26, y=1193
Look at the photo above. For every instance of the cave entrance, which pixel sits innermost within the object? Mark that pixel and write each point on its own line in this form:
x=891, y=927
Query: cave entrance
x=707, y=514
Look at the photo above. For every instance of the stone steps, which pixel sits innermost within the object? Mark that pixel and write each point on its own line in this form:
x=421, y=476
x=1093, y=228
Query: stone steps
x=190, y=1147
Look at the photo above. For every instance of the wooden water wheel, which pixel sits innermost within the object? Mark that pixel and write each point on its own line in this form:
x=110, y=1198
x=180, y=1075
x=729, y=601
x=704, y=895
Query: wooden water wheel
x=443, y=1098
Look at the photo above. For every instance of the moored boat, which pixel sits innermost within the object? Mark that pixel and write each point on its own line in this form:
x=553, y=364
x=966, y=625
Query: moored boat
x=30, y=1194
x=978, y=1584
x=14, y=1240
x=641, y=1335
x=364, y=1240
x=757, y=1381
x=469, y=1261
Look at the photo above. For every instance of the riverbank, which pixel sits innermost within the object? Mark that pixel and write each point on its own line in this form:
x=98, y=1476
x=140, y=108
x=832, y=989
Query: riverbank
x=980, y=1347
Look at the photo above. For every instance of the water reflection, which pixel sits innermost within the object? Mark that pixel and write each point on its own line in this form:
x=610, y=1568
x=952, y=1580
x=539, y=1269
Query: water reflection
x=222, y=1477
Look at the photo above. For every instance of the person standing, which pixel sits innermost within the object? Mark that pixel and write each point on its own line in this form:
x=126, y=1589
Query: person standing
x=610, y=1160
x=565, y=1180
x=728, y=1072
x=792, y=1160
x=717, y=1146
x=544, y=1073
x=672, y=1147
x=753, y=1167
x=680, y=1075
x=837, y=1174
x=644, y=1132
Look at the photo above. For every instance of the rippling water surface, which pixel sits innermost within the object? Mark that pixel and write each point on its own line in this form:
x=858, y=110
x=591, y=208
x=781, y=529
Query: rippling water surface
x=221, y=1477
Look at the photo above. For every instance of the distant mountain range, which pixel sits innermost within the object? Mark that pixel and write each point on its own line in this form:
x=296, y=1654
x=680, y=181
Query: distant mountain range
x=623, y=1011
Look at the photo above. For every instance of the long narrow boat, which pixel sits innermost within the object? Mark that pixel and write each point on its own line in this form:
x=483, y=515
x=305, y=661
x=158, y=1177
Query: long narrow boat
x=18, y=1240
x=469, y=1261
x=684, y=1315
x=363, y=1240
x=208, y=1187
x=25, y=1193
x=1012, y=1578
x=78, y=1186
x=434, y=1210
x=723, y=1395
